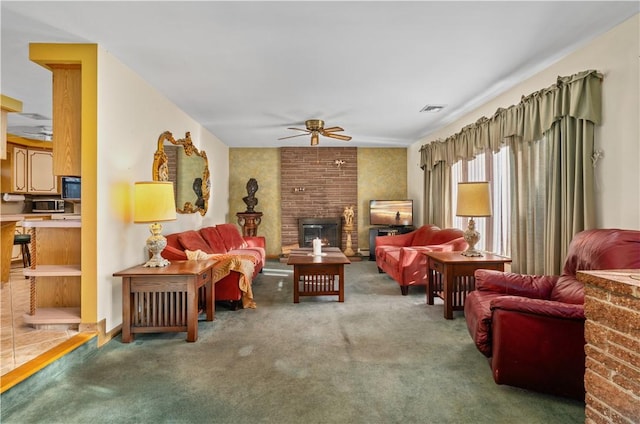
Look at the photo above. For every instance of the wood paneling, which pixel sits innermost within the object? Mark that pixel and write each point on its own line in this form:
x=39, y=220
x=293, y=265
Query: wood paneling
x=66, y=119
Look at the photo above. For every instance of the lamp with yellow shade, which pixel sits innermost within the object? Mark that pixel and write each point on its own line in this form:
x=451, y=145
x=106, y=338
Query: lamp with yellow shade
x=474, y=201
x=154, y=202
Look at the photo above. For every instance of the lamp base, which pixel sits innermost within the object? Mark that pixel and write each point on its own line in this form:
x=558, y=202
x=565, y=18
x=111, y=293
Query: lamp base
x=156, y=244
x=471, y=236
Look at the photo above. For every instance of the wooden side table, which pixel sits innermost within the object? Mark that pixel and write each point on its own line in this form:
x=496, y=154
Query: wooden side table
x=450, y=276
x=165, y=299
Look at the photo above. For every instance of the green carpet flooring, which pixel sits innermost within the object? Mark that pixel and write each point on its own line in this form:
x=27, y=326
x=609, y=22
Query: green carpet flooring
x=379, y=357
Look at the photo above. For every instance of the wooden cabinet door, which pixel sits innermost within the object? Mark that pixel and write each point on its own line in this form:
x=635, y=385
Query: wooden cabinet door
x=19, y=183
x=40, y=175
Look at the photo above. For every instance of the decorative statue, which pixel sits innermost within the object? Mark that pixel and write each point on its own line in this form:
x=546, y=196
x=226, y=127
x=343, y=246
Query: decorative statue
x=348, y=217
x=250, y=200
x=197, y=189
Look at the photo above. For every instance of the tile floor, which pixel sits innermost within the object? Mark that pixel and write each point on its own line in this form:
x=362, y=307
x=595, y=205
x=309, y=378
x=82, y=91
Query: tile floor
x=19, y=343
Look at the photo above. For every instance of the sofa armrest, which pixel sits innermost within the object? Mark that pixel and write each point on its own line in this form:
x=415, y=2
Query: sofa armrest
x=255, y=241
x=532, y=286
x=398, y=240
x=540, y=307
x=538, y=352
x=174, y=254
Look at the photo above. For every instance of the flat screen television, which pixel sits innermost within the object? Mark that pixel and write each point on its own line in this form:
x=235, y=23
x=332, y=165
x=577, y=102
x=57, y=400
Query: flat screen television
x=391, y=212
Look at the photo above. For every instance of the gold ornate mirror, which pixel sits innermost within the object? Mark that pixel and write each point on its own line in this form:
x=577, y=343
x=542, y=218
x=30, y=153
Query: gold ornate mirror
x=180, y=162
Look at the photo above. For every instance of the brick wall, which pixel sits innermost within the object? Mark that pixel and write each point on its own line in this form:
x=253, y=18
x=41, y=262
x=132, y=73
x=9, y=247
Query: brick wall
x=313, y=186
x=612, y=332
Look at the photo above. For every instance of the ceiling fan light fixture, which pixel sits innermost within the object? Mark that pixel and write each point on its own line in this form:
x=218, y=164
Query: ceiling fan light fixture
x=314, y=138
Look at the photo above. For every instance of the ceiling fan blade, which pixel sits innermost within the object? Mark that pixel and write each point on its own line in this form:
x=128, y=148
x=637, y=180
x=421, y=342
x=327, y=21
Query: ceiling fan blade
x=333, y=129
x=299, y=129
x=337, y=136
x=291, y=136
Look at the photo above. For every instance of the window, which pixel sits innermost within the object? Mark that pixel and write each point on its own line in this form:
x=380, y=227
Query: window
x=493, y=167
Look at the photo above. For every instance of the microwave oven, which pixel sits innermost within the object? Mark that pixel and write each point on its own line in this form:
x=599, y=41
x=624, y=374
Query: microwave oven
x=47, y=206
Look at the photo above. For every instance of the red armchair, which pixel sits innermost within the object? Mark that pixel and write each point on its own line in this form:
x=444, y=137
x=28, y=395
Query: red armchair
x=401, y=256
x=532, y=326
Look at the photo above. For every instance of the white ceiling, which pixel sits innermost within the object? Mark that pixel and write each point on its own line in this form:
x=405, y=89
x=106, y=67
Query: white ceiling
x=248, y=70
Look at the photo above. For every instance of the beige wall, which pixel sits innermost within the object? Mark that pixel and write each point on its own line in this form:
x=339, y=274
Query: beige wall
x=382, y=174
x=131, y=116
x=264, y=166
x=615, y=54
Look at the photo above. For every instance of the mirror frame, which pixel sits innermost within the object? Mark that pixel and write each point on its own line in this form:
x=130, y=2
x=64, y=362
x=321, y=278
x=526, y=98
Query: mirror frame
x=161, y=165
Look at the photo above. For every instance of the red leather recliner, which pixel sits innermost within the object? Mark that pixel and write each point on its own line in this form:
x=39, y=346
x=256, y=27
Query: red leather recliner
x=532, y=326
x=402, y=258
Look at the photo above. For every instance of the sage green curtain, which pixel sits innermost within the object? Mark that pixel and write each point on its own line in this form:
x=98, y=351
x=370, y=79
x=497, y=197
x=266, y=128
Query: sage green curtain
x=437, y=185
x=563, y=115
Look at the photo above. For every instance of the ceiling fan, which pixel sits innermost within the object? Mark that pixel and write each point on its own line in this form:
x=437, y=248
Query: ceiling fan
x=315, y=127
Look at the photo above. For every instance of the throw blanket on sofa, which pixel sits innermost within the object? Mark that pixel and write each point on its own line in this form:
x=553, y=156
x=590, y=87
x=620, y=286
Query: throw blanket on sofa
x=227, y=263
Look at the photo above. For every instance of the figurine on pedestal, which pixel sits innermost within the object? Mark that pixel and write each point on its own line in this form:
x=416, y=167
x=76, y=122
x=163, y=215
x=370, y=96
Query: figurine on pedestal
x=348, y=215
x=249, y=220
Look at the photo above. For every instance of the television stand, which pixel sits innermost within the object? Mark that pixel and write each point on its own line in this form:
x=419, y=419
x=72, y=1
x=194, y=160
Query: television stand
x=385, y=231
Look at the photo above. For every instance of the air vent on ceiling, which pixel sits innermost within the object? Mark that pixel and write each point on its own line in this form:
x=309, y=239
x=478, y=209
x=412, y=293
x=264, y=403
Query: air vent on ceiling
x=432, y=108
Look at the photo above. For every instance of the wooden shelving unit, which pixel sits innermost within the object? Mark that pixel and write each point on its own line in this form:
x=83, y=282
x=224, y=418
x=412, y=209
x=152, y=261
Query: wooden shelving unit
x=55, y=272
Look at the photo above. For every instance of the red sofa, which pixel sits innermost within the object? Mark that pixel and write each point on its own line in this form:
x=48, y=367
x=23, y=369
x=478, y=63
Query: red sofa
x=401, y=256
x=220, y=239
x=531, y=327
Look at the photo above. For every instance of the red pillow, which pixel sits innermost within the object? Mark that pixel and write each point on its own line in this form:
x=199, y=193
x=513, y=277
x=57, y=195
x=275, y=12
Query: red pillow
x=213, y=239
x=231, y=236
x=192, y=240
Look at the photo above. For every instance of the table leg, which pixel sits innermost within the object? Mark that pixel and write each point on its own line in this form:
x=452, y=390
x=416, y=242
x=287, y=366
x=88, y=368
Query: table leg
x=296, y=284
x=341, y=283
x=192, y=310
x=209, y=289
x=127, y=305
x=431, y=284
x=448, y=292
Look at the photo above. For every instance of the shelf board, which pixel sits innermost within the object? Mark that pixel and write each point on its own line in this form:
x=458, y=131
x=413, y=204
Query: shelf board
x=53, y=223
x=54, y=316
x=53, y=271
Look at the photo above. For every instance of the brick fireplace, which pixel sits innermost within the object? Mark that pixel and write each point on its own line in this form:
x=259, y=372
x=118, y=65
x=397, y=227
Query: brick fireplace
x=313, y=185
x=328, y=230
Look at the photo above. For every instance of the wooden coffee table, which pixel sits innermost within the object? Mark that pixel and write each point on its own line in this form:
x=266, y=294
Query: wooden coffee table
x=450, y=276
x=316, y=275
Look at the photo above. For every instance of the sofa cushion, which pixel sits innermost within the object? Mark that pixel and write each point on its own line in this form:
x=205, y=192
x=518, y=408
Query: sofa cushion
x=445, y=235
x=424, y=235
x=192, y=240
x=231, y=236
x=213, y=239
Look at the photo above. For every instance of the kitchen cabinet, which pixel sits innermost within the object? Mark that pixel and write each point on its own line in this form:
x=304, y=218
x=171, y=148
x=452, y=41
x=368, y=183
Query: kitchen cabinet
x=55, y=272
x=29, y=171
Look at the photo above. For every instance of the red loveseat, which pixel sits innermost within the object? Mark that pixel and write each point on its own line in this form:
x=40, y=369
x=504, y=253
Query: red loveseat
x=401, y=256
x=219, y=239
x=532, y=326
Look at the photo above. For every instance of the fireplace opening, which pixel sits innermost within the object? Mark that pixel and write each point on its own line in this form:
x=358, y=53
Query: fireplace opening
x=329, y=230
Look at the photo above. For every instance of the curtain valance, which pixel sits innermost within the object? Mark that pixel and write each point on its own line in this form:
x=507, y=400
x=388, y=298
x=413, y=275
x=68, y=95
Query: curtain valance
x=578, y=96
